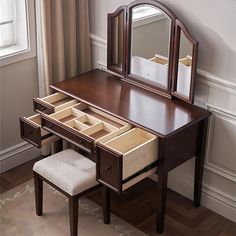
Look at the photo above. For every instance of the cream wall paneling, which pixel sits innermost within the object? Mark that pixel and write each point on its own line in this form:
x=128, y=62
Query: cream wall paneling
x=221, y=146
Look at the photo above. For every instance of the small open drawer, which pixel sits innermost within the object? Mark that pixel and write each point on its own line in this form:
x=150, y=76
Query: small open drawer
x=127, y=159
x=53, y=103
x=32, y=131
x=83, y=128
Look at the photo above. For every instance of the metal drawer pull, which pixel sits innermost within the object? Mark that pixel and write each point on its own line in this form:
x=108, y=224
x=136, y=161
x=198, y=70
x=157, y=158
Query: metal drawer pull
x=107, y=168
x=42, y=108
x=51, y=125
x=31, y=132
x=81, y=142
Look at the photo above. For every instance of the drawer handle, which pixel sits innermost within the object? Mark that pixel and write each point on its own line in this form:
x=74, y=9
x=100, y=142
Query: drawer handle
x=107, y=168
x=81, y=142
x=31, y=132
x=51, y=125
x=42, y=108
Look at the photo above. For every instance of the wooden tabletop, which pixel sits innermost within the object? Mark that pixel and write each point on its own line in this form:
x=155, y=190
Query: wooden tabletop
x=142, y=108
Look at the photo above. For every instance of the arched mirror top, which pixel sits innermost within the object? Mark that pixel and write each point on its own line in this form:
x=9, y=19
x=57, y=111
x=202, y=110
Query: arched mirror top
x=150, y=37
x=145, y=43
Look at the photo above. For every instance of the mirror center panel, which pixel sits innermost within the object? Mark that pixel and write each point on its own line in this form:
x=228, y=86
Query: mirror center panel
x=150, y=40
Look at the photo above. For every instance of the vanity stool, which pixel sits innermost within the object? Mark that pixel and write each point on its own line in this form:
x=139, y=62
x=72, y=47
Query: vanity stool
x=70, y=173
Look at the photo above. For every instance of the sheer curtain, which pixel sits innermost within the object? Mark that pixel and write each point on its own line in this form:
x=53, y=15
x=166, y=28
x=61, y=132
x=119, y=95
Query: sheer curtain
x=63, y=40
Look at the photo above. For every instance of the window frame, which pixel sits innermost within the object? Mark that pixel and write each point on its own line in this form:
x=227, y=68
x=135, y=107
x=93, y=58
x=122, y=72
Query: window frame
x=147, y=16
x=26, y=50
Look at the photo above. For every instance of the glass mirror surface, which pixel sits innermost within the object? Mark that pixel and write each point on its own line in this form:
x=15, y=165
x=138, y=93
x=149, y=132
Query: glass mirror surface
x=117, y=36
x=150, y=43
x=184, y=66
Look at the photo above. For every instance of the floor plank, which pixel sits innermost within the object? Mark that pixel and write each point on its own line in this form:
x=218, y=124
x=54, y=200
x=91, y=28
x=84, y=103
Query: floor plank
x=137, y=206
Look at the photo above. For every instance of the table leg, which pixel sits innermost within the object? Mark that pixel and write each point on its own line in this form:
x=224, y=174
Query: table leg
x=106, y=199
x=199, y=164
x=59, y=145
x=162, y=187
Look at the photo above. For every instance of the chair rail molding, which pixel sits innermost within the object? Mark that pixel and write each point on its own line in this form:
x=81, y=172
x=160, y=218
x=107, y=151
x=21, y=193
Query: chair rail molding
x=220, y=167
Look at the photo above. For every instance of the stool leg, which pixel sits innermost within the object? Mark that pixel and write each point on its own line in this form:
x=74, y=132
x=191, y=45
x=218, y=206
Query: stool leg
x=106, y=201
x=73, y=212
x=38, y=185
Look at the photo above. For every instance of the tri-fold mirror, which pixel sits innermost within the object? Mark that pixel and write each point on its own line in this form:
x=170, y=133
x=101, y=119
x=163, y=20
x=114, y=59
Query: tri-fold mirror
x=152, y=49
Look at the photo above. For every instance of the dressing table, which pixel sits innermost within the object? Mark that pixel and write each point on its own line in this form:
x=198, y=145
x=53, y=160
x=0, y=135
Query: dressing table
x=136, y=122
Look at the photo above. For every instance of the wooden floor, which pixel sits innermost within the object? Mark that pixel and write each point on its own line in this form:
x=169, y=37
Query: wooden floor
x=138, y=208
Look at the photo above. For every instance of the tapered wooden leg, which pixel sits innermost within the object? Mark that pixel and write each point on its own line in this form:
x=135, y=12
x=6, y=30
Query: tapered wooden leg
x=106, y=201
x=162, y=186
x=199, y=164
x=73, y=213
x=38, y=185
x=59, y=145
x=161, y=199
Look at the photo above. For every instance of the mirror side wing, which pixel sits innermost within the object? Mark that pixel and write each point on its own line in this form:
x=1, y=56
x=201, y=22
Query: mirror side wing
x=189, y=60
x=116, y=37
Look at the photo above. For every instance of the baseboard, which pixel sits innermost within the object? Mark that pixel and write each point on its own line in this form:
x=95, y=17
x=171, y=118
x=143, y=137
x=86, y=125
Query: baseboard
x=212, y=199
x=17, y=155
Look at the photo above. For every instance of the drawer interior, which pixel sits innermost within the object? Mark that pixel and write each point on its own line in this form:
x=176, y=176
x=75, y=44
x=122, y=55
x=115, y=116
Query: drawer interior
x=133, y=154
x=99, y=130
x=130, y=140
x=99, y=127
x=100, y=115
x=59, y=100
x=36, y=119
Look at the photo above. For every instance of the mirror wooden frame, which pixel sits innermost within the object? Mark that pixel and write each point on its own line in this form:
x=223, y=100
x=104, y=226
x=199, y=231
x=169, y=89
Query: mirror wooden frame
x=165, y=91
x=176, y=28
x=110, y=18
x=180, y=27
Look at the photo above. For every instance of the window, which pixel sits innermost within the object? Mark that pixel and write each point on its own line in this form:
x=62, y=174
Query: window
x=145, y=15
x=17, y=30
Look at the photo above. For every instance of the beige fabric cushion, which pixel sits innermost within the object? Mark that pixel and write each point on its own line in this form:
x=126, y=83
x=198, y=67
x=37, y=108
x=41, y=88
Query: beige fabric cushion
x=69, y=170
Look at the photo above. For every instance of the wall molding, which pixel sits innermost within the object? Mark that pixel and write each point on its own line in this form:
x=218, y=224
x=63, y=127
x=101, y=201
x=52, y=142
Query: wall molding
x=209, y=164
x=204, y=77
x=98, y=41
x=17, y=155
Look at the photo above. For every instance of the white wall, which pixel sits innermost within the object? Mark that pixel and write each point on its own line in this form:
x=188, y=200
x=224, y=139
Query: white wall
x=18, y=83
x=212, y=23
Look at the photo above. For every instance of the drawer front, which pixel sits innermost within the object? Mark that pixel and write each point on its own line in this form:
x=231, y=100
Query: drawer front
x=109, y=168
x=30, y=132
x=39, y=106
x=127, y=159
x=63, y=132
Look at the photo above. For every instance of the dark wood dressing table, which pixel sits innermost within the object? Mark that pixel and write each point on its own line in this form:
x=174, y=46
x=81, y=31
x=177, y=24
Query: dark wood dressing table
x=176, y=129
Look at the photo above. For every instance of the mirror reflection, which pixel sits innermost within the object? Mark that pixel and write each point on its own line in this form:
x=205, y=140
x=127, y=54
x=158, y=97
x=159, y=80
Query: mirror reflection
x=117, y=35
x=184, y=66
x=151, y=30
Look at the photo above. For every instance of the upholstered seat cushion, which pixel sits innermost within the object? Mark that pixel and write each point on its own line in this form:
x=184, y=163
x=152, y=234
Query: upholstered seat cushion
x=69, y=170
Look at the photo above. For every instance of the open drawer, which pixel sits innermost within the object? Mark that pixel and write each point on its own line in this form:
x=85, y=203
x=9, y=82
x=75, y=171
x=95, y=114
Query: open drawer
x=32, y=131
x=83, y=126
x=127, y=159
x=53, y=103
